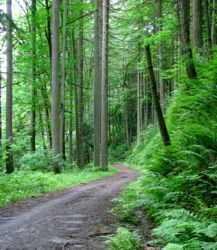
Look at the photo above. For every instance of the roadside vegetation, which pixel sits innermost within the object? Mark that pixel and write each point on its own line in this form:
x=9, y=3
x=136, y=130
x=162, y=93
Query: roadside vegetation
x=178, y=185
x=29, y=183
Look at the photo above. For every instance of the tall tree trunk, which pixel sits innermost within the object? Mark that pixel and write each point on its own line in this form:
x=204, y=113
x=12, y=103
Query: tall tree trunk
x=62, y=103
x=48, y=29
x=138, y=109
x=97, y=80
x=47, y=113
x=160, y=63
x=33, y=84
x=126, y=105
x=80, y=128
x=214, y=23
x=70, y=120
x=72, y=79
x=104, y=100
x=74, y=69
x=208, y=27
x=55, y=107
x=197, y=24
x=153, y=111
x=146, y=110
x=185, y=24
x=42, y=129
x=9, y=92
x=126, y=119
x=162, y=125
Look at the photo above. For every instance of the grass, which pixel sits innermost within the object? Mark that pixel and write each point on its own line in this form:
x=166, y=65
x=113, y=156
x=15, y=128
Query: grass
x=25, y=184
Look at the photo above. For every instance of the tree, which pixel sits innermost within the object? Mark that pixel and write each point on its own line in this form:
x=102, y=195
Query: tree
x=55, y=107
x=162, y=125
x=208, y=27
x=33, y=83
x=9, y=91
x=104, y=95
x=72, y=79
x=62, y=103
x=139, y=113
x=197, y=23
x=185, y=27
x=97, y=79
x=214, y=22
x=48, y=29
x=160, y=64
x=79, y=95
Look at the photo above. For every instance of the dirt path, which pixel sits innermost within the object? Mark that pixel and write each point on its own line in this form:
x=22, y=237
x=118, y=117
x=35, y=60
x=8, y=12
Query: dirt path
x=68, y=219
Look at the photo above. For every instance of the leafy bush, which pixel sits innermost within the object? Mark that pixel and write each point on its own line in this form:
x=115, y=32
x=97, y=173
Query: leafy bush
x=124, y=240
x=42, y=160
x=39, y=160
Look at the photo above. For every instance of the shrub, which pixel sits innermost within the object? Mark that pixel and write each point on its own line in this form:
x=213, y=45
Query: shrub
x=40, y=160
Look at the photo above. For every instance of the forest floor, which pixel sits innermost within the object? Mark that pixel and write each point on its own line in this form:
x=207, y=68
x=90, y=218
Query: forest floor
x=73, y=218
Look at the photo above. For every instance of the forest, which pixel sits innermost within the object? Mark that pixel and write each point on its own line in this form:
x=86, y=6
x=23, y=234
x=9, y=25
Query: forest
x=86, y=83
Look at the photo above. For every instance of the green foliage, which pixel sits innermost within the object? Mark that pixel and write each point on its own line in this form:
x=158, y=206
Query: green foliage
x=178, y=185
x=130, y=200
x=180, y=226
x=173, y=247
x=25, y=184
x=41, y=160
x=124, y=240
x=117, y=152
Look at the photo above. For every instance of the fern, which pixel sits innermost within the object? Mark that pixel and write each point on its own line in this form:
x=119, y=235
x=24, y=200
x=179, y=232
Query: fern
x=124, y=240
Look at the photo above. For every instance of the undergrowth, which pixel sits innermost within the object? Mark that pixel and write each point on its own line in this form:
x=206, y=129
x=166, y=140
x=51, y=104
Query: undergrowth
x=24, y=184
x=124, y=240
x=178, y=187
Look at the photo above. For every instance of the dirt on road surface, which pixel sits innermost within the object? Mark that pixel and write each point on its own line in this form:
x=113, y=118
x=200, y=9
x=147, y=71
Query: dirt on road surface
x=73, y=218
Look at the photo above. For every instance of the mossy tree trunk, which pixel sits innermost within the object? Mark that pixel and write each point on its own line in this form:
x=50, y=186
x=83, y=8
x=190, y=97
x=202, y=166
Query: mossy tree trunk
x=162, y=125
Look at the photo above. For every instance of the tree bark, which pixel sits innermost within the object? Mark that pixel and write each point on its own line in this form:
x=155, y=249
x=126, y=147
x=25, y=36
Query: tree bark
x=55, y=107
x=75, y=73
x=42, y=129
x=208, y=28
x=62, y=102
x=9, y=92
x=97, y=80
x=162, y=125
x=47, y=113
x=146, y=109
x=153, y=111
x=48, y=30
x=185, y=24
x=126, y=119
x=33, y=83
x=80, y=128
x=160, y=64
x=138, y=109
x=72, y=79
x=104, y=100
x=197, y=24
x=214, y=23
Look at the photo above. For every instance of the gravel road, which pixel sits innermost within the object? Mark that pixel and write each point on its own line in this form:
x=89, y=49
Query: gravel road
x=74, y=218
